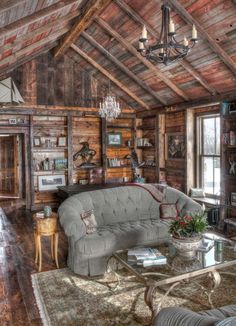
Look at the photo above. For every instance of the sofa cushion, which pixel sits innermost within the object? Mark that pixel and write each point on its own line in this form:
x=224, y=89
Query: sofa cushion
x=230, y=321
x=111, y=238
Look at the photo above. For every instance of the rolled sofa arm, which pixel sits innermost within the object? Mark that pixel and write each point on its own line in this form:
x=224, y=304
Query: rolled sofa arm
x=70, y=220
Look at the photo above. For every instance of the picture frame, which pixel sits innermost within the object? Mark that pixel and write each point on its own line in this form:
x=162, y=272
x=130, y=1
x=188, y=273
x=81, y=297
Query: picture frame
x=114, y=139
x=175, y=146
x=51, y=182
x=61, y=142
x=37, y=141
x=233, y=198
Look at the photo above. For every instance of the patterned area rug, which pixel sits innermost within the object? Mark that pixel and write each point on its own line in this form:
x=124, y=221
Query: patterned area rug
x=66, y=299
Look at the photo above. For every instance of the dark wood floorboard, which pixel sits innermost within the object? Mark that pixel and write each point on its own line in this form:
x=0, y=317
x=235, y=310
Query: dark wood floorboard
x=17, y=303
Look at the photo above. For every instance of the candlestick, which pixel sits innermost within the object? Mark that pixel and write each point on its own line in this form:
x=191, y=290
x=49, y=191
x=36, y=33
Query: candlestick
x=171, y=27
x=144, y=32
x=194, y=32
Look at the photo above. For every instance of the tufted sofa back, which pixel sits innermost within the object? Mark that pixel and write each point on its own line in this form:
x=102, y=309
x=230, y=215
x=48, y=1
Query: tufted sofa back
x=115, y=204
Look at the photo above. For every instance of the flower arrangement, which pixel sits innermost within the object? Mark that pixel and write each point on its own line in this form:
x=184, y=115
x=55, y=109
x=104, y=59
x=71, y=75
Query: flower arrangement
x=190, y=225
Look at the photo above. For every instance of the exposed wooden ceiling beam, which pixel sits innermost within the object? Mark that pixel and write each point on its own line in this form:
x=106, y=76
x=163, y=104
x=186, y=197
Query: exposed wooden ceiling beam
x=35, y=16
x=109, y=76
x=147, y=63
x=122, y=67
x=191, y=105
x=21, y=53
x=8, y=4
x=29, y=36
x=184, y=63
x=178, y=8
x=92, y=9
x=25, y=59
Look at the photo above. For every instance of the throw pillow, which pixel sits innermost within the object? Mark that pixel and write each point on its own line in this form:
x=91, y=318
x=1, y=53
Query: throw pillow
x=90, y=222
x=168, y=211
x=197, y=192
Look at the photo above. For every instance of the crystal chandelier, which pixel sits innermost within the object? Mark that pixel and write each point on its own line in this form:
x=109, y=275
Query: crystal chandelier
x=109, y=108
x=167, y=49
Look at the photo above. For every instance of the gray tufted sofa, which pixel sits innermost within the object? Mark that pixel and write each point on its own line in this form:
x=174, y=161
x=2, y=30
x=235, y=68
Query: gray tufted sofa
x=126, y=216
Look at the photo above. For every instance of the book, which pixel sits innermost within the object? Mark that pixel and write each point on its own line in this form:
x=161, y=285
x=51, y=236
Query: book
x=146, y=256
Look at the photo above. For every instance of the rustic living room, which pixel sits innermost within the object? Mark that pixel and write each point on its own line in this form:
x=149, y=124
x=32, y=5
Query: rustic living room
x=118, y=162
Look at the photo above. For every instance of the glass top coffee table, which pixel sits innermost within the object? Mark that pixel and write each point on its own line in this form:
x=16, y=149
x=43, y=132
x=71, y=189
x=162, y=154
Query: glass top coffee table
x=179, y=269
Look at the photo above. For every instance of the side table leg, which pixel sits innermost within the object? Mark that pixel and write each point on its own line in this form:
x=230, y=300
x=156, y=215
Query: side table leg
x=56, y=248
x=36, y=248
x=40, y=252
x=52, y=246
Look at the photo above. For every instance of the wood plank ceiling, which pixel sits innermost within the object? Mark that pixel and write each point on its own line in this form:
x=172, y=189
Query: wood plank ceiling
x=102, y=36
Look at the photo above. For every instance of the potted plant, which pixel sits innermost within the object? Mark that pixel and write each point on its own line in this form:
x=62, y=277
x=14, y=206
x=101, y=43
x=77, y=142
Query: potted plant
x=186, y=232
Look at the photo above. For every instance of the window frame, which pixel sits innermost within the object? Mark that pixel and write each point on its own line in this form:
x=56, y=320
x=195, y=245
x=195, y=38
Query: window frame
x=200, y=150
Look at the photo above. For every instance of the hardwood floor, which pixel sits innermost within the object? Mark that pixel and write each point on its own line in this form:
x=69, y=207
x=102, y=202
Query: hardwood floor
x=17, y=302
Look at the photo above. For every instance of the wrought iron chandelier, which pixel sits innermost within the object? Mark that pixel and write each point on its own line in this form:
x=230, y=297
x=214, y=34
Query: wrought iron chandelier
x=109, y=107
x=167, y=49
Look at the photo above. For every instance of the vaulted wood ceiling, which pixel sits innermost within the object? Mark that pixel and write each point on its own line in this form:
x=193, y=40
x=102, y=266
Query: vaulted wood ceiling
x=103, y=35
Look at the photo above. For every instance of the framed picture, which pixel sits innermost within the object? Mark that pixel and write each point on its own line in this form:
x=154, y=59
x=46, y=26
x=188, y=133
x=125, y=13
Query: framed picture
x=37, y=141
x=60, y=163
x=61, y=141
x=12, y=121
x=51, y=182
x=175, y=146
x=114, y=139
x=233, y=198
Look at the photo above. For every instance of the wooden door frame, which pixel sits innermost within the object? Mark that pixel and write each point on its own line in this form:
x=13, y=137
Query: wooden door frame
x=24, y=131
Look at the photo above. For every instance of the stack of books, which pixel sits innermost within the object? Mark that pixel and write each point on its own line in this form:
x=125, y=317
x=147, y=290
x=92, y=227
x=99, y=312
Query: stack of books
x=146, y=257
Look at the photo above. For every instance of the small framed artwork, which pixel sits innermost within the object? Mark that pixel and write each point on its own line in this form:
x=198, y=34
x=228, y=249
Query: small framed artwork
x=37, y=141
x=114, y=139
x=61, y=141
x=175, y=146
x=12, y=121
x=233, y=198
x=50, y=182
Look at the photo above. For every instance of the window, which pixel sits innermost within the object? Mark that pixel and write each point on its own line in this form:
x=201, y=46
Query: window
x=209, y=154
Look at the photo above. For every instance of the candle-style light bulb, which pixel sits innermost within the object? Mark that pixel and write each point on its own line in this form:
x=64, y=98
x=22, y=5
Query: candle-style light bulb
x=171, y=26
x=141, y=46
x=144, y=32
x=185, y=41
x=194, y=32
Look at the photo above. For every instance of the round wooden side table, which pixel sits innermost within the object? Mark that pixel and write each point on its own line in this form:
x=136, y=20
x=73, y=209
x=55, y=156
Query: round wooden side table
x=47, y=226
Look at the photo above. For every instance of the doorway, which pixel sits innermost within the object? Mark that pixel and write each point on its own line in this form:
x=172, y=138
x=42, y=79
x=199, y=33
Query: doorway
x=11, y=166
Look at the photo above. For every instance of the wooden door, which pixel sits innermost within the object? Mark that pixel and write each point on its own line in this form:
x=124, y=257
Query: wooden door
x=9, y=166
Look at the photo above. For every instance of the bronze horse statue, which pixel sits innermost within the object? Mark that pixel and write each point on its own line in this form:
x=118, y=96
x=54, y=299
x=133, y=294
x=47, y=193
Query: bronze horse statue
x=85, y=154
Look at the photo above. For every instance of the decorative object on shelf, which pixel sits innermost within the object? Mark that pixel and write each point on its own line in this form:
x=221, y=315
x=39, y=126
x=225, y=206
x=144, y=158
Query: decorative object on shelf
x=232, y=170
x=86, y=154
x=187, y=232
x=61, y=141
x=83, y=181
x=114, y=139
x=225, y=138
x=37, y=141
x=143, y=142
x=12, y=121
x=167, y=49
x=225, y=108
x=47, y=211
x=233, y=198
x=50, y=182
x=48, y=142
x=60, y=163
x=232, y=137
x=135, y=164
x=175, y=146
